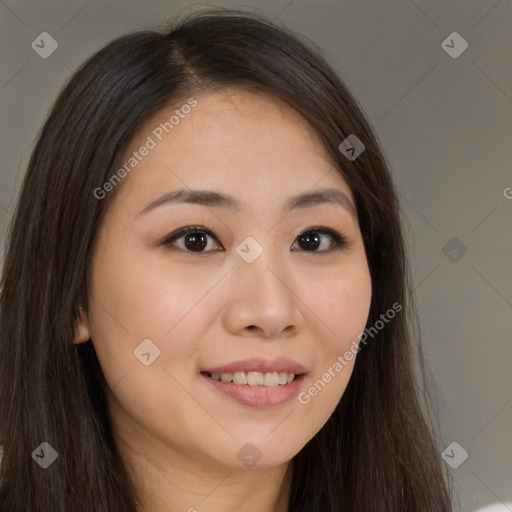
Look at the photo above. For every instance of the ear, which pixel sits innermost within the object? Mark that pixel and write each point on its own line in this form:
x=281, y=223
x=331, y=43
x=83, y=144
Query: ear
x=82, y=330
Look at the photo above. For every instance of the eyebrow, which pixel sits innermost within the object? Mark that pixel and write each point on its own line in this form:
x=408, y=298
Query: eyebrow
x=211, y=198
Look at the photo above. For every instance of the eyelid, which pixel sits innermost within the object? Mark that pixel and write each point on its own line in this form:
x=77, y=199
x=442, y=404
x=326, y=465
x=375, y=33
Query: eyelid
x=340, y=241
x=185, y=231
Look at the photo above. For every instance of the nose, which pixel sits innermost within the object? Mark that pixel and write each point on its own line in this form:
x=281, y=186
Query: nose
x=261, y=300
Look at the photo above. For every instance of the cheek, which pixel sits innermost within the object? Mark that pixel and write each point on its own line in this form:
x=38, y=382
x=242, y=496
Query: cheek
x=343, y=305
x=142, y=296
x=148, y=296
x=342, y=311
x=136, y=301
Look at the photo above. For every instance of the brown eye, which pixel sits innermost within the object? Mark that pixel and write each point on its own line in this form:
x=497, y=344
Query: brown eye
x=195, y=239
x=311, y=240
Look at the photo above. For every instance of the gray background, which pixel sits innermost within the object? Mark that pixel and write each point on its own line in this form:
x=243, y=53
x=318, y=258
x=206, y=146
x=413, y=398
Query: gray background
x=445, y=125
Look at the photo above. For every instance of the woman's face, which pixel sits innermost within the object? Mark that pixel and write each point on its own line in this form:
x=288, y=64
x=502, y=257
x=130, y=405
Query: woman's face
x=256, y=287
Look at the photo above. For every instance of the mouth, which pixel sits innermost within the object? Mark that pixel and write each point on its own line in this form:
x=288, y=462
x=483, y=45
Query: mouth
x=256, y=382
x=268, y=379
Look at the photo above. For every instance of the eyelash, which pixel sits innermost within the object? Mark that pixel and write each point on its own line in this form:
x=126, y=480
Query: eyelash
x=339, y=241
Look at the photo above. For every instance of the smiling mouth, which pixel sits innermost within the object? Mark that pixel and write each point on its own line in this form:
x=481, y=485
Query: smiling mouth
x=268, y=379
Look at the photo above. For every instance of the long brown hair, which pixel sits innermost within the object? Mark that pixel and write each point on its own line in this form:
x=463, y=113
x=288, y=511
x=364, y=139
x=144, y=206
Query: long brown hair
x=378, y=452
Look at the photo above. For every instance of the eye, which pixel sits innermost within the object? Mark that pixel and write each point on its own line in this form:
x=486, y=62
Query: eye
x=195, y=239
x=311, y=240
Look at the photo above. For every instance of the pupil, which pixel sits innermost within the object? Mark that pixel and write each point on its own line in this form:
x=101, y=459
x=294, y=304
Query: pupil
x=309, y=238
x=195, y=241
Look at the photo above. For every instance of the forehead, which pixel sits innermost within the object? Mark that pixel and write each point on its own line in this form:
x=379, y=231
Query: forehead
x=244, y=142
x=231, y=118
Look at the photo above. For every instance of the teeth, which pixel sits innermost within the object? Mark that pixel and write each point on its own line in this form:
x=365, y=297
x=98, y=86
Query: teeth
x=270, y=379
x=255, y=378
x=240, y=378
x=283, y=377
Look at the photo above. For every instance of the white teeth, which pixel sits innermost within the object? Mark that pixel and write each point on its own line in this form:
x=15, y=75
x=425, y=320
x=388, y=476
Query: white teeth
x=283, y=378
x=270, y=379
x=255, y=378
x=240, y=378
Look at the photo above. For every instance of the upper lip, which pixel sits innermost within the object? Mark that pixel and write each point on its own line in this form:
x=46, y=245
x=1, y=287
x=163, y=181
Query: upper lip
x=259, y=365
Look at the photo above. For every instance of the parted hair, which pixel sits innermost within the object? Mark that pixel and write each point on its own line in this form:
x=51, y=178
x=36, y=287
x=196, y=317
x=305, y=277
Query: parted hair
x=380, y=449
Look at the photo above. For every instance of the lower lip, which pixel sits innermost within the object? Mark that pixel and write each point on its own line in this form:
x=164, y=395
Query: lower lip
x=258, y=396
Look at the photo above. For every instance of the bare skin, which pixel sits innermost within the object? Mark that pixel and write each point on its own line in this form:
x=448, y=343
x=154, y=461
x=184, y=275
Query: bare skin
x=179, y=436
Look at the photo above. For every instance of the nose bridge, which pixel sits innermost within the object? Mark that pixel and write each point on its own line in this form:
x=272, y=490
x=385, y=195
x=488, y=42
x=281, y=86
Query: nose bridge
x=263, y=297
x=271, y=278
x=261, y=269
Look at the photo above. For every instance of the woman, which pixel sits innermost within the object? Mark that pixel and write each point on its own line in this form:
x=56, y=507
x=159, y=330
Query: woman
x=205, y=293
